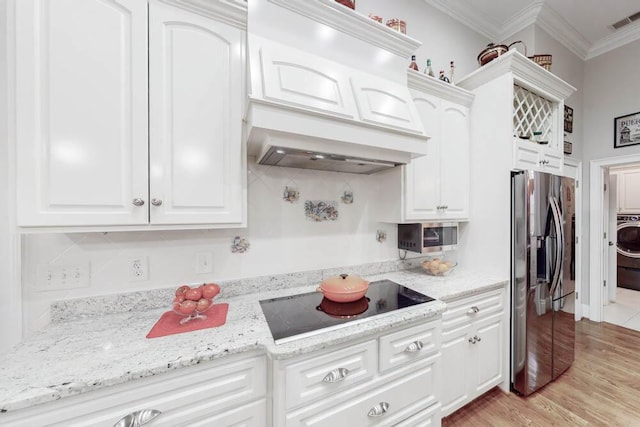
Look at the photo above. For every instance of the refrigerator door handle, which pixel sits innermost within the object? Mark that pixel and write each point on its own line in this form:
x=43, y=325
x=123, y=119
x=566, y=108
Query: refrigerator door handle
x=559, y=249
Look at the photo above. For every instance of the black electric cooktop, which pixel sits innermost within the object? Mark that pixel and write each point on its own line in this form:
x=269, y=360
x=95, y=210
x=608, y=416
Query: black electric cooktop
x=302, y=315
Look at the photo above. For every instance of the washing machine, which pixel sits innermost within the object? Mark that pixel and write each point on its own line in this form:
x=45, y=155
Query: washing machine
x=628, y=247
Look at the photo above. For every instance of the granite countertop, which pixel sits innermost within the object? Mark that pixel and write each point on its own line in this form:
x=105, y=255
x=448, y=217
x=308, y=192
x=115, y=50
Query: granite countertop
x=75, y=356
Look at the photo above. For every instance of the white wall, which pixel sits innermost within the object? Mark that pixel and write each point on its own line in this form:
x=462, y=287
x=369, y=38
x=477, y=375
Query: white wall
x=443, y=38
x=611, y=89
x=282, y=240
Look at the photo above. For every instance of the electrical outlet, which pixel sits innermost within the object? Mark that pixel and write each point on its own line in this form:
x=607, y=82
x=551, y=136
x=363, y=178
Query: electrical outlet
x=204, y=262
x=138, y=269
x=55, y=277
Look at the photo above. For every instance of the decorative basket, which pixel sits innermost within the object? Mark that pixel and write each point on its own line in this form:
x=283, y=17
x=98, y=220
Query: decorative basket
x=542, y=60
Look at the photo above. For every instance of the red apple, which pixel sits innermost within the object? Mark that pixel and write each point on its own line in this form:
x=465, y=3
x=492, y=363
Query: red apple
x=210, y=290
x=187, y=307
x=182, y=290
x=203, y=304
x=179, y=298
x=194, y=294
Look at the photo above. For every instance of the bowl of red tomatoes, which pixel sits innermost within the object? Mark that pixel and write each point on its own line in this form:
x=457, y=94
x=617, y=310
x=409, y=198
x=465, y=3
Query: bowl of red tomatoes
x=192, y=302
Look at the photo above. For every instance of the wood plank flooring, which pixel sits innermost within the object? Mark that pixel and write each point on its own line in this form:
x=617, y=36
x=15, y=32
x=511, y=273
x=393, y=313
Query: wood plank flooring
x=602, y=388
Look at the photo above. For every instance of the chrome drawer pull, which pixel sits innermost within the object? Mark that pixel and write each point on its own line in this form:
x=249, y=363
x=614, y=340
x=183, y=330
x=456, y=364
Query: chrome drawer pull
x=478, y=339
x=414, y=347
x=138, y=418
x=379, y=410
x=472, y=340
x=336, y=375
x=473, y=310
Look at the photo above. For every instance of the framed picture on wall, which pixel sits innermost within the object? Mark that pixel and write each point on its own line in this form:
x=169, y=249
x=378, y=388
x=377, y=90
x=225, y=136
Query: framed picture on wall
x=568, y=119
x=626, y=130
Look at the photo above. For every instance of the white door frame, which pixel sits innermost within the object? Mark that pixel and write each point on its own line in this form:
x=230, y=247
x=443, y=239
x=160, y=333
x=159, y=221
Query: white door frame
x=578, y=231
x=596, y=230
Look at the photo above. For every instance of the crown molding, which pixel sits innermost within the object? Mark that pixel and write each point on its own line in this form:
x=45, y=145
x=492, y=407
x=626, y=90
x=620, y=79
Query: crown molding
x=436, y=87
x=470, y=17
x=352, y=23
x=524, y=72
x=558, y=28
x=621, y=37
x=521, y=20
x=232, y=12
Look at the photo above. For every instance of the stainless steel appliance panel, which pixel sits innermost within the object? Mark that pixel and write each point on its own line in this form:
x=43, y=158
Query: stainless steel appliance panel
x=542, y=279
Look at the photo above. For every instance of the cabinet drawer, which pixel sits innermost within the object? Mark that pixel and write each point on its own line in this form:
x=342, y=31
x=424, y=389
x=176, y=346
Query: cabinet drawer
x=429, y=417
x=251, y=415
x=466, y=310
x=408, y=345
x=329, y=373
x=185, y=397
x=402, y=398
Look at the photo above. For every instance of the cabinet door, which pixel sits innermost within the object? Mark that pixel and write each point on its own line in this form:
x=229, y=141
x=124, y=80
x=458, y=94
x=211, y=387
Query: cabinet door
x=488, y=354
x=195, y=105
x=629, y=199
x=422, y=175
x=81, y=112
x=456, y=368
x=454, y=157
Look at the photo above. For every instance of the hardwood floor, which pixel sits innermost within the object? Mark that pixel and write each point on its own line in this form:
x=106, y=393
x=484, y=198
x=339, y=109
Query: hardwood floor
x=602, y=388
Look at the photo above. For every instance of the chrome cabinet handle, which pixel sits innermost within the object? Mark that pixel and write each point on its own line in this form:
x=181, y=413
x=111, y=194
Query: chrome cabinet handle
x=472, y=340
x=138, y=418
x=473, y=310
x=414, y=347
x=379, y=410
x=137, y=202
x=336, y=375
x=156, y=202
x=478, y=339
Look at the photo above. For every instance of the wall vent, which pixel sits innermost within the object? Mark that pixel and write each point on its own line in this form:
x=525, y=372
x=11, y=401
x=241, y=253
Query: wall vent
x=628, y=20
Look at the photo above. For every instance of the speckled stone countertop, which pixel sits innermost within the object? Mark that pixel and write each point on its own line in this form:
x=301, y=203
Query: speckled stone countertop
x=73, y=356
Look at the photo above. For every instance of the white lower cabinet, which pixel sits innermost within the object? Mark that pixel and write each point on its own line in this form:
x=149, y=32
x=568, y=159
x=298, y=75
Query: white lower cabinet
x=473, y=342
x=228, y=392
x=390, y=380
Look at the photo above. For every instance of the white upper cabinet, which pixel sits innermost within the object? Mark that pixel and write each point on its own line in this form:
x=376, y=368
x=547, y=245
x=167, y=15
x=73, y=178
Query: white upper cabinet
x=520, y=112
x=81, y=111
x=434, y=187
x=128, y=113
x=629, y=191
x=195, y=87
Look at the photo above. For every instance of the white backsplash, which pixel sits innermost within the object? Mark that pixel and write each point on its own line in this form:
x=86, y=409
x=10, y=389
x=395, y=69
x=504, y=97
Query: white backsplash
x=281, y=238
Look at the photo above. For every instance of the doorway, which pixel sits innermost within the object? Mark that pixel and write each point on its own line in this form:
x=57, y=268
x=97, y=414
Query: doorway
x=600, y=235
x=622, y=294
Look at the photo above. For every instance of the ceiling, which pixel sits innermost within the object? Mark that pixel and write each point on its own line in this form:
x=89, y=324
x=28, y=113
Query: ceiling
x=583, y=26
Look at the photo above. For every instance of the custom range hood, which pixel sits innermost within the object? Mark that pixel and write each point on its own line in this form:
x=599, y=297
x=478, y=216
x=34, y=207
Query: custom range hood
x=328, y=89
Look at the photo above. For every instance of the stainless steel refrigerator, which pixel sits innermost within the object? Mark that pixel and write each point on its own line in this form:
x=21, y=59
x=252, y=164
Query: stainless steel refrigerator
x=542, y=278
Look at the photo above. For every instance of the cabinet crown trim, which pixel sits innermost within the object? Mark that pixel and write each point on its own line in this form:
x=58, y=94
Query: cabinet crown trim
x=525, y=72
x=232, y=12
x=352, y=23
x=438, y=88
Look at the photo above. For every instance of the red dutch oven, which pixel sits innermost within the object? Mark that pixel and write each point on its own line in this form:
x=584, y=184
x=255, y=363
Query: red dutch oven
x=344, y=288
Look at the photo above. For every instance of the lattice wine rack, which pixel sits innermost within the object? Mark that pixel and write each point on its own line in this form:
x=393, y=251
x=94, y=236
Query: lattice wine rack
x=531, y=113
